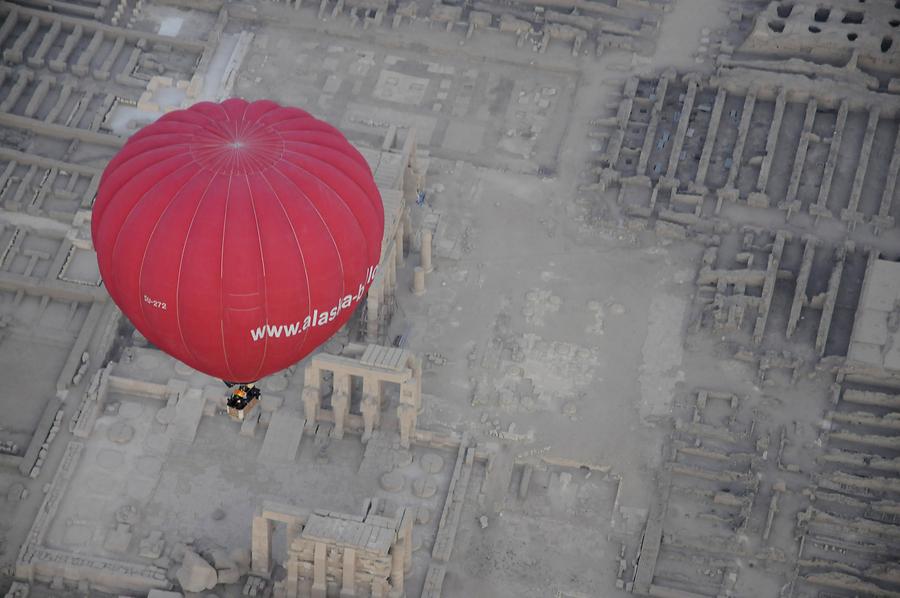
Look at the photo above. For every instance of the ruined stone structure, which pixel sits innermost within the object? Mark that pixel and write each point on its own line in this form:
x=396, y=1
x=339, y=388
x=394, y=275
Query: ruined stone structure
x=748, y=348
x=330, y=553
x=376, y=366
x=874, y=343
x=684, y=151
x=679, y=139
x=785, y=171
x=65, y=72
x=741, y=478
x=399, y=174
x=833, y=30
x=629, y=24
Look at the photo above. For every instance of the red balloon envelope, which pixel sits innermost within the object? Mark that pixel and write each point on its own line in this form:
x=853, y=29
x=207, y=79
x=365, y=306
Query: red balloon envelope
x=239, y=236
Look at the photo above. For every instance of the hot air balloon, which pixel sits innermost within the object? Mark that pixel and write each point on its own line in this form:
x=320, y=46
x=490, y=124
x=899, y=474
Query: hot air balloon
x=238, y=237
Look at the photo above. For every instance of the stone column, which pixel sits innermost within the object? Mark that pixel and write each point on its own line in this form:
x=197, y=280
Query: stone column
x=373, y=306
x=348, y=585
x=407, y=393
x=399, y=245
x=416, y=384
x=426, y=251
x=398, y=551
x=372, y=386
x=292, y=581
x=370, y=406
x=261, y=547
x=407, y=225
x=418, y=287
x=390, y=280
x=340, y=402
x=370, y=411
x=411, y=388
x=406, y=529
x=291, y=532
x=320, y=578
x=312, y=394
x=406, y=414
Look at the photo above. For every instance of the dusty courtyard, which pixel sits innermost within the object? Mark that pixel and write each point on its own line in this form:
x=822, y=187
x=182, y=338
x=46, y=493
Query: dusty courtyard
x=642, y=336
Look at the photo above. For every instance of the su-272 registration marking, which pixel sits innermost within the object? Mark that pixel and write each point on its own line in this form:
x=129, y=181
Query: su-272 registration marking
x=316, y=318
x=155, y=303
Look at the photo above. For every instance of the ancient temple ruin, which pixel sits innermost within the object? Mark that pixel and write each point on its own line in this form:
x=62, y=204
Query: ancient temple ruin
x=332, y=553
x=375, y=366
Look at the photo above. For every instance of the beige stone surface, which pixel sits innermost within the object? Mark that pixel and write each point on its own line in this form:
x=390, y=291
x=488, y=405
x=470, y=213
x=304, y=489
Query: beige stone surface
x=656, y=349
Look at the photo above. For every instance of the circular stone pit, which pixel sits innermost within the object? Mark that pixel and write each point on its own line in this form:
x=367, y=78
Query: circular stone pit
x=165, y=415
x=402, y=458
x=120, y=432
x=392, y=481
x=423, y=515
x=431, y=463
x=425, y=487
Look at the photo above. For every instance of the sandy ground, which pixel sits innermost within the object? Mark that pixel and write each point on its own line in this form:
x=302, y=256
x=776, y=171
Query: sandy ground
x=554, y=332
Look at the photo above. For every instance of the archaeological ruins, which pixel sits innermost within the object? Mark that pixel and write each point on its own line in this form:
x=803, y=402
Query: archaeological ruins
x=635, y=327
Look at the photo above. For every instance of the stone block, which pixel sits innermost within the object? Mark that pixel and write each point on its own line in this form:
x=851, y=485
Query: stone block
x=12, y=55
x=146, y=104
x=758, y=200
x=871, y=327
x=882, y=286
x=251, y=420
x=221, y=559
x=195, y=574
x=228, y=575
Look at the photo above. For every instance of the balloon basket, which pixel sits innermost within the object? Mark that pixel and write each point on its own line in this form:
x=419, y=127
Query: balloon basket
x=242, y=401
x=237, y=414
